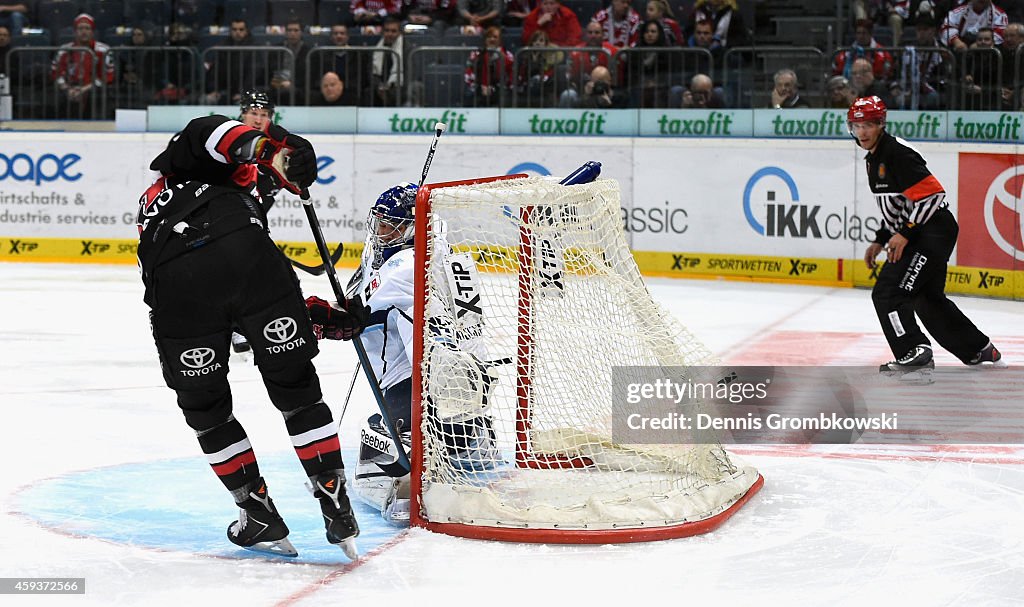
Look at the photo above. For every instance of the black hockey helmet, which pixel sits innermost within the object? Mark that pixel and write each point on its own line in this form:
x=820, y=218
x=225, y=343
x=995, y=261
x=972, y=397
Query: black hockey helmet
x=258, y=99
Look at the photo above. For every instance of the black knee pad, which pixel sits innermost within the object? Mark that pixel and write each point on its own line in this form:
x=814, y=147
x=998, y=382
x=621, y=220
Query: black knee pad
x=205, y=409
x=292, y=386
x=280, y=334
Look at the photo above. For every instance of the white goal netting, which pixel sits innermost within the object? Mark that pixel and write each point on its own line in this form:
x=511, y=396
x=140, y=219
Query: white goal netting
x=532, y=298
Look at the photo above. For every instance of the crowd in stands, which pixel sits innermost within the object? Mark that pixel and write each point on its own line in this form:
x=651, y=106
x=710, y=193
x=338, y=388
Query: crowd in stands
x=83, y=58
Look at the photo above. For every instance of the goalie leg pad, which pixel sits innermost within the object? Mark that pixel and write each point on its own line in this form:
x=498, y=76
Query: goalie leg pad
x=380, y=481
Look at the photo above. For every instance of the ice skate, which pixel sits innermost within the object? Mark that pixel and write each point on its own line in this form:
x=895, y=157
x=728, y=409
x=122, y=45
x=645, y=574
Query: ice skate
x=916, y=364
x=259, y=526
x=339, y=520
x=988, y=357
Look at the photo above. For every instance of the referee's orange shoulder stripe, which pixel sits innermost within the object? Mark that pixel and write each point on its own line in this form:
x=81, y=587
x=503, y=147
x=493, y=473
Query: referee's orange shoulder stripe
x=924, y=188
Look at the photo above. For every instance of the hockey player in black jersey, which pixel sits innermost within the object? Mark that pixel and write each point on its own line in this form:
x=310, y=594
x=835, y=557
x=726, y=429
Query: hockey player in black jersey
x=256, y=110
x=918, y=234
x=208, y=264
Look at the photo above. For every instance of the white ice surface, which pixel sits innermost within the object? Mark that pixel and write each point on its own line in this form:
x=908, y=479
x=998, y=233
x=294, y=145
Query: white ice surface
x=81, y=389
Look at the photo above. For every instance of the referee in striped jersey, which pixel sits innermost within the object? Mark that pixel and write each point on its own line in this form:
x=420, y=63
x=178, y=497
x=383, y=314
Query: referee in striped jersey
x=918, y=234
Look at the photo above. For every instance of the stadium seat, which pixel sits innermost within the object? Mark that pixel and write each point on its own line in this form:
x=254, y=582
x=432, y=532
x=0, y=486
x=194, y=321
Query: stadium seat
x=38, y=38
x=253, y=12
x=106, y=13
x=281, y=11
x=443, y=85
x=57, y=14
x=152, y=13
x=335, y=11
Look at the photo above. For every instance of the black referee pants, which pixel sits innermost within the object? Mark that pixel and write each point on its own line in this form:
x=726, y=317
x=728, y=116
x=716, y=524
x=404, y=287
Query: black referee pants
x=915, y=285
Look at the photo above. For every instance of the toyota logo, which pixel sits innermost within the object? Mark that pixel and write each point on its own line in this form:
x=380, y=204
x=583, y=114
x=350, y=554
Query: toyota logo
x=196, y=358
x=1001, y=212
x=280, y=330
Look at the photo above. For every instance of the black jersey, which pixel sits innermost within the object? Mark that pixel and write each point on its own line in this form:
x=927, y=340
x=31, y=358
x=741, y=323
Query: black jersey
x=907, y=193
x=206, y=189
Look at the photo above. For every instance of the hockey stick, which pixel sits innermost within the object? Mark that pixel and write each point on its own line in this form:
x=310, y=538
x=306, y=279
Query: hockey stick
x=439, y=128
x=320, y=268
x=364, y=360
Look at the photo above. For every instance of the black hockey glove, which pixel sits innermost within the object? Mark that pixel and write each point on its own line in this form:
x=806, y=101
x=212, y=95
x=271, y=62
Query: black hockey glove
x=334, y=322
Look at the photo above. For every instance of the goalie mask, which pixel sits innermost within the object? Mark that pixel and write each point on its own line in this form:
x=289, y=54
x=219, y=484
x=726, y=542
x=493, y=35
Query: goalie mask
x=391, y=222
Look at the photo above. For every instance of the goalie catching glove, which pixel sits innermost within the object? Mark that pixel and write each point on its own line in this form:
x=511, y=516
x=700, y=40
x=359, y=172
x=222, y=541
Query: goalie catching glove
x=292, y=161
x=334, y=322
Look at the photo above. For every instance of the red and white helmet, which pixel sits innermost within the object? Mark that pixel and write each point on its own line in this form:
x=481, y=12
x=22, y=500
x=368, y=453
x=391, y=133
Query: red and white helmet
x=867, y=109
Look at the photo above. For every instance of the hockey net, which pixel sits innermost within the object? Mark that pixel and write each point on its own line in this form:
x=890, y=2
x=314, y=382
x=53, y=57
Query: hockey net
x=527, y=298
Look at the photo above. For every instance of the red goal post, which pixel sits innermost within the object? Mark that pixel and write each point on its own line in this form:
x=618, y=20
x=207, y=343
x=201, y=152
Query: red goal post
x=554, y=475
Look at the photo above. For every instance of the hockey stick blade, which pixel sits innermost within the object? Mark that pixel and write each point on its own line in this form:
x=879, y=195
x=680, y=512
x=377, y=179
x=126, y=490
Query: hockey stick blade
x=319, y=269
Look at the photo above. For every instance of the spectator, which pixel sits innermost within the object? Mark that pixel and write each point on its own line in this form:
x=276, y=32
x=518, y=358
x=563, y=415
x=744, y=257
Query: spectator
x=283, y=90
x=864, y=82
x=619, y=22
x=475, y=15
x=786, y=91
x=541, y=75
x=702, y=94
x=295, y=42
x=864, y=45
x=647, y=67
x=1012, y=39
x=922, y=69
x=387, y=67
x=437, y=14
x=489, y=72
x=960, y=29
x=704, y=37
x=374, y=12
x=890, y=12
x=232, y=71
x=599, y=91
x=80, y=74
x=729, y=28
x=334, y=92
x=516, y=11
x=582, y=63
x=348, y=65
x=139, y=70
x=5, y=47
x=14, y=16
x=557, y=21
x=175, y=80
x=840, y=93
x=660, y=11
x=981, y=73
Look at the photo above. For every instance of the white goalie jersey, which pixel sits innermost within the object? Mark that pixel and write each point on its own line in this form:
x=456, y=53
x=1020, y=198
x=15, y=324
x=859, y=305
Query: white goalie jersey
x=388, y=336
x=389, y=293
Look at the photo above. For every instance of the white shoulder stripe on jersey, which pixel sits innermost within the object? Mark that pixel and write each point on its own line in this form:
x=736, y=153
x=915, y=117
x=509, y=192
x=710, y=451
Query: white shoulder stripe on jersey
x=228, y=452
x=216, y=136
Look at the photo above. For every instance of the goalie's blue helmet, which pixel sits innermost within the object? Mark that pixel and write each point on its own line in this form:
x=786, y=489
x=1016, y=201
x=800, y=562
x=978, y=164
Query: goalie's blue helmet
x=391, y=222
